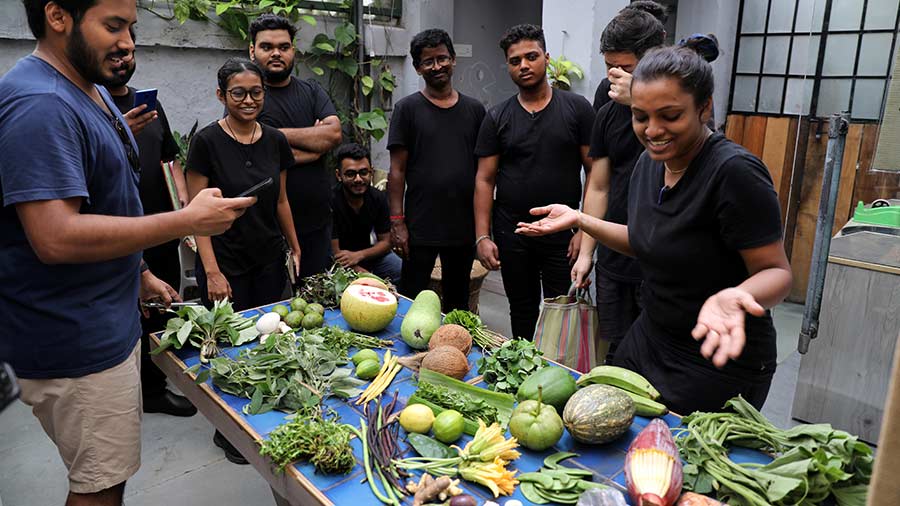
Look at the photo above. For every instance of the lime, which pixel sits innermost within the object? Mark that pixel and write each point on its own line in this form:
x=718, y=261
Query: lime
x=315, y=308
x=368, y=369
x=298, y=304
x=312, y=321
x=281, y=309
x=294, y=319
x=448, y=426
x=361, y=355
x=416, y=418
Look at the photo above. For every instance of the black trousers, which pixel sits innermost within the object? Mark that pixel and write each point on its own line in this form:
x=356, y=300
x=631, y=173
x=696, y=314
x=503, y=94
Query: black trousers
x=618, y=306
x=315, y=251
x=164, y=264
x=456, y=268
x=261, y=286
x=529, y=265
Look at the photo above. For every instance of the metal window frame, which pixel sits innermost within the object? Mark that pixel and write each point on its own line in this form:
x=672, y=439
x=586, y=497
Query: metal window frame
x=823, y=33
x=395, y=13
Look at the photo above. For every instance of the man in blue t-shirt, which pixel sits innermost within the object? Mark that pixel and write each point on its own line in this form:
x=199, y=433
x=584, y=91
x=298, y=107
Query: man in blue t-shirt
x=71, y=235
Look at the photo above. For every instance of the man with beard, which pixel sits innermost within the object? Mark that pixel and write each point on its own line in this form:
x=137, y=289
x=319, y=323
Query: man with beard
x=432, y=142
x=305, y=115
x=359, y=211
x=71, y=236
x=532, y=148
x=156, y=146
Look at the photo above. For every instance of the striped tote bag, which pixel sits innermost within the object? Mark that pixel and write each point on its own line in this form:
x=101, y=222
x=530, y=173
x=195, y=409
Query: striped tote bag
x=566, y=331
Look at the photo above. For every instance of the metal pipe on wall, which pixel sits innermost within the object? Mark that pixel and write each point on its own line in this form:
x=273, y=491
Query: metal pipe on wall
x=831, y=180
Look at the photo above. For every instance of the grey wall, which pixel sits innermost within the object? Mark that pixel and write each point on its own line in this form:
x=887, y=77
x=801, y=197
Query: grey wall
x=480, y=24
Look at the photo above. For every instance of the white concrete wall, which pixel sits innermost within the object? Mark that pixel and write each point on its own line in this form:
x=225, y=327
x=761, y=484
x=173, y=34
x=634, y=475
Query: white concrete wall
x=718, y=17
x=573, y=28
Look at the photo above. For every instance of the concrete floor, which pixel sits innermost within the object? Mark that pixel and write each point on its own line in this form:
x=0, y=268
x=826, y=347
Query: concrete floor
x=181, y=465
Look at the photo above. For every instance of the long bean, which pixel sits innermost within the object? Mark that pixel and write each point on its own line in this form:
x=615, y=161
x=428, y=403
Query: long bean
x=361, y=433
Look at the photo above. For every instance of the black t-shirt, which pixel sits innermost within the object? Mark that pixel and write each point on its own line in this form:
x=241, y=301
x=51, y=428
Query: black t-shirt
x=440, y=170
x=353, y=229
x=613, y=137
x=156, y=145
x=687, y=240
x=601, y=96
x=540, y=156
x=254, y=240
x=299, y=105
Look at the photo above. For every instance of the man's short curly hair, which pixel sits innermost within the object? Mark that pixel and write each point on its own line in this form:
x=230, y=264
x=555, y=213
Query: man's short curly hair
x=270, y=22
x=522, y=32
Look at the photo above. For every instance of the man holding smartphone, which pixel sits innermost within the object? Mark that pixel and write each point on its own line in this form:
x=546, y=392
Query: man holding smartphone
x=71, y=234
x=156, y=146
x=302, y=111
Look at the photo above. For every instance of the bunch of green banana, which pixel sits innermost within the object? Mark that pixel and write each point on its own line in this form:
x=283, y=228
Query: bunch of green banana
x=636, y=386
x=554, y=483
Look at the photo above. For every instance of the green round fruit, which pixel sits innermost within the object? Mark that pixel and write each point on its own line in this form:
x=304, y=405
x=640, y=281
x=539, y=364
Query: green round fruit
x=312, y=321
x=598, y=414
x=417, y=418
x=298, y=304
x=294, y=319
x=314, y=307
x=448, y=426
x=281, y=309
x=361, y=355
x=368, y=369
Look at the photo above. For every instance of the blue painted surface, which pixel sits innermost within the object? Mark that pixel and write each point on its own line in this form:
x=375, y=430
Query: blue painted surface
x=606, y=461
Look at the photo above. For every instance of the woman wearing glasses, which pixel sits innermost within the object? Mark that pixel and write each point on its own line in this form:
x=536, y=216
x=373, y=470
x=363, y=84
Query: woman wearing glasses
x=246, y=263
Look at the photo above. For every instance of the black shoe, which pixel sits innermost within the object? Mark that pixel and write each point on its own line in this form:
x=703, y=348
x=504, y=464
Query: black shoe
x=231, y=452
x=170, y=404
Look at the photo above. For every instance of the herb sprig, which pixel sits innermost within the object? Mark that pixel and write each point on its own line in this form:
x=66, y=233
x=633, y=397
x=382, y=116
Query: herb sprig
x=508, y=366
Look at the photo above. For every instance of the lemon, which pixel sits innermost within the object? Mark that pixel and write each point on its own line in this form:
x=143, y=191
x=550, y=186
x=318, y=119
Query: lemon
x=448, y=426
x=281, y=309
x=294, y=319
x=312, y=321
x=416, y=418
x=298, y=304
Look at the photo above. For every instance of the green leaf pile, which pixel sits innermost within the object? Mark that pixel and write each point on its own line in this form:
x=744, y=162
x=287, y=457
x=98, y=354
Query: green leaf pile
x=509, y=365
x=206, y=329
x=812, y=462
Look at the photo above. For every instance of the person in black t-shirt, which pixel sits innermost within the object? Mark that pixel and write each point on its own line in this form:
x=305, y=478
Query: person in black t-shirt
x=622, y=74
x=432, y=143
x=705, y=225
x=360, y=211
x=156, y=146
x=302, y=111
x=532, y=148
x=614, y=151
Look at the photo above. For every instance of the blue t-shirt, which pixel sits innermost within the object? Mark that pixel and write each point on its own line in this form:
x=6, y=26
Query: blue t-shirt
x=65, y=320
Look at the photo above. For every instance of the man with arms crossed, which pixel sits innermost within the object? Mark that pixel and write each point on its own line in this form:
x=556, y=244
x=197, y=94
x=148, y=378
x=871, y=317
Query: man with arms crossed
x=305, y=115
x=71, y=235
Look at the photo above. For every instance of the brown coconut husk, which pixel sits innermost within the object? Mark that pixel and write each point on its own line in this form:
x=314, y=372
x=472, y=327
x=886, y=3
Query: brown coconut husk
x=448, y=361
x=451, y=335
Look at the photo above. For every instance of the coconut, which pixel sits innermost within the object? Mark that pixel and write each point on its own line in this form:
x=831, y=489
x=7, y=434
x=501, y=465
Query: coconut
x=448, y=361
x=367, y=308
x=451, y=335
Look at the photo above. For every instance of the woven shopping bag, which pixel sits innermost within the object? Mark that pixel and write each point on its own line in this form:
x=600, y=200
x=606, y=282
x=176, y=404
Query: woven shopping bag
x=566, y=331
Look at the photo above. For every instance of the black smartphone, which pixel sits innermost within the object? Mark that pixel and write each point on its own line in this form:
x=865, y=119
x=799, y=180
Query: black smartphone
x=255, y=189
x=9, y=388
x=148, y=97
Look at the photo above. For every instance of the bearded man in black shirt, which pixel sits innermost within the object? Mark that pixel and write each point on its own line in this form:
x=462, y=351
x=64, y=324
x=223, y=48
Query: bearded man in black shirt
x=302, y=111
x=156, y=146
x=432, y=143
x=532, y=148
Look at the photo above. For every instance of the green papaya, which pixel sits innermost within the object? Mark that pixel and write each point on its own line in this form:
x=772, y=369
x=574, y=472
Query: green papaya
x=422, y=319
x=557, y=384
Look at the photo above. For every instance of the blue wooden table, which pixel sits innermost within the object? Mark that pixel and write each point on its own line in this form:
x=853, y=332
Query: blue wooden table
x=300, y=484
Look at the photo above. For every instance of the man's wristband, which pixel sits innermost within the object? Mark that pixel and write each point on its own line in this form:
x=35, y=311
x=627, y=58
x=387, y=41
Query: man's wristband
x=397, y=217
x=481, y=238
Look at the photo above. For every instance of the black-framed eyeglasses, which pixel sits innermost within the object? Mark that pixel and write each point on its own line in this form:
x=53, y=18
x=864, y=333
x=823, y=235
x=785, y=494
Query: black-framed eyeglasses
x=351, y=174
x=133, y=159
x=431, y=63
x=239, y=94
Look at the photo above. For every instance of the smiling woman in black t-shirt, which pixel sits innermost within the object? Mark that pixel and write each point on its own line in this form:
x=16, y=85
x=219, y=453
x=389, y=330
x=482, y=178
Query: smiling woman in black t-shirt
x=705, y=226
x=246, y=263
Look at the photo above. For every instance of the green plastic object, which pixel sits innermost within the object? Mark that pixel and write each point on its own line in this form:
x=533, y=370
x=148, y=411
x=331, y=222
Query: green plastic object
x=888, y=216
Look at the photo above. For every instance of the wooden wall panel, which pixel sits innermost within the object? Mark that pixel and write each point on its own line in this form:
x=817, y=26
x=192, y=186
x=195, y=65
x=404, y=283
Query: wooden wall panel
x=734, y=128
x=755, y=134
x=848, y=176
x=778, y=156
x=807, y=212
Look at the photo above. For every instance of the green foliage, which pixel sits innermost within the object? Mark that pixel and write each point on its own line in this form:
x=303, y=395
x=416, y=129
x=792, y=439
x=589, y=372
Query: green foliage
x=509, y=365
x=561, y=72
x=206, y=329
x=334, y=56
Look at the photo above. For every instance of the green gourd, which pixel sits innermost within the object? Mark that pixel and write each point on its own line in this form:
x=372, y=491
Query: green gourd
x=598, y=414
x=557, y=384
x=422, y=319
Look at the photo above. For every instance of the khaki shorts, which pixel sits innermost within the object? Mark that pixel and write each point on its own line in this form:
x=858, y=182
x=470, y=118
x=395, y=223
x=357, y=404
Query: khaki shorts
x=95, y=422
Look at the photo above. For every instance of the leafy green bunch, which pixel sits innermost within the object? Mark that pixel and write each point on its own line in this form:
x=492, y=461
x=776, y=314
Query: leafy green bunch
x=508, y=366
x=206, y=329
x=468, y=406
x=325, y=443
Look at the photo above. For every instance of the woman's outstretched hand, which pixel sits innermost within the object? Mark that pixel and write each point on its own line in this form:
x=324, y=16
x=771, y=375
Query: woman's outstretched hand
x=721, y=324
x=558, y=217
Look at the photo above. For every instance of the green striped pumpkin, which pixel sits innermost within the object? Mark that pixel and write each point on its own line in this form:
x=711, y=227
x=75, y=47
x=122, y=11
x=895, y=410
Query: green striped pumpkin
x=598, y=414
